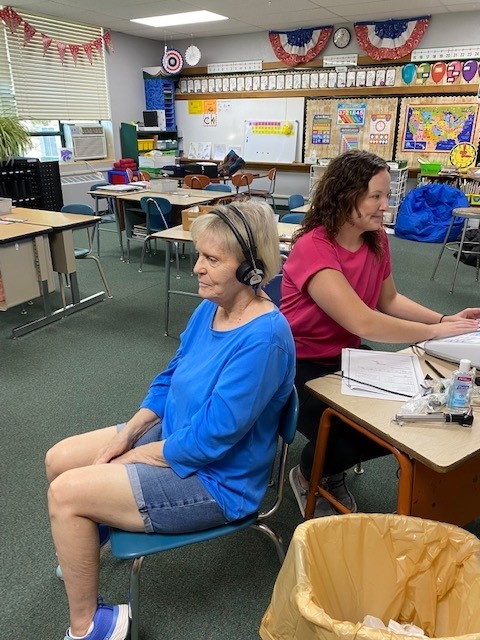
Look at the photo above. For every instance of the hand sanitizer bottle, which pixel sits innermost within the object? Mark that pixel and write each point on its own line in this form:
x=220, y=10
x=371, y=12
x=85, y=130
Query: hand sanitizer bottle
x=461, y=386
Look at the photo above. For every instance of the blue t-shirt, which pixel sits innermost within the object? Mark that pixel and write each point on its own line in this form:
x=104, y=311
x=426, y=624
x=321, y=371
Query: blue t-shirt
x=220, y=399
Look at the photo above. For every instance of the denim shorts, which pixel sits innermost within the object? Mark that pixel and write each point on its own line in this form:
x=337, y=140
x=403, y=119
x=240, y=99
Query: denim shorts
x=168, y=503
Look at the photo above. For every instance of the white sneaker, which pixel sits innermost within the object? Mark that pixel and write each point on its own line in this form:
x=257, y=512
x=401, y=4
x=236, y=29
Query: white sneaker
x=322, y=507
x=337, y=486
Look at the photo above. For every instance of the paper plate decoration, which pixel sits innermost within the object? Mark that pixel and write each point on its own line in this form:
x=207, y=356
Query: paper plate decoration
x=438, y=71
x=409, y=72
x=172, y=61
x=469, y=70
x=192, y=55
x=454, y=70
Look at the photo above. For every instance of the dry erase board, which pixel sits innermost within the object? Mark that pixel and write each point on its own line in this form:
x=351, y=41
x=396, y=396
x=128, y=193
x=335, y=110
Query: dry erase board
x=270, y=140
x=222, y=122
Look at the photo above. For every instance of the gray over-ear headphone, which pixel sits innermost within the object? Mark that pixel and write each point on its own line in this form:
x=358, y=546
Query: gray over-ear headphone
x=252, y=270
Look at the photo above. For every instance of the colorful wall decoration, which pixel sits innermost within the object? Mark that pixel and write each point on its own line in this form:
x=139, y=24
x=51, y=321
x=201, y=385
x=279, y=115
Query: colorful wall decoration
x=333, y=126
x=429, y=127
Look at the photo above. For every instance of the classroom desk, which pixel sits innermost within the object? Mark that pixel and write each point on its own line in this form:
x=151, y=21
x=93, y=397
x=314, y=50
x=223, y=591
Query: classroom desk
x=305, y=208
x=178, y=234
x=25, y=265
x=439, y=462
x=60, y=227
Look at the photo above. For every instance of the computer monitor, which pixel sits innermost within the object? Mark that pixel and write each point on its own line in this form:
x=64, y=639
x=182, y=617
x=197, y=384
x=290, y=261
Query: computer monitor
x=456, y=348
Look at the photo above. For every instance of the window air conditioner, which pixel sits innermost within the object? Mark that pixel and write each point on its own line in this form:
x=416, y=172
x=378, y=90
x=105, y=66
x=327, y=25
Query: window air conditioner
x=87, y=141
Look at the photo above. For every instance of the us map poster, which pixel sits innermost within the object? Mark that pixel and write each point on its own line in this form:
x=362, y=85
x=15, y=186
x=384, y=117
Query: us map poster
x=431, y=126
x=337, y=125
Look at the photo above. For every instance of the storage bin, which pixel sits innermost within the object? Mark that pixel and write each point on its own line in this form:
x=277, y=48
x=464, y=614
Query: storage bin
x=189, y=215
x=146, y=144
x=340, y=568
x=115, y=176
x=430, y=168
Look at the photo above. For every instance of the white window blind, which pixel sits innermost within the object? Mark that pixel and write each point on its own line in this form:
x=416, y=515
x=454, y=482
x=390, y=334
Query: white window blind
x=46, y=89
x=7, y=101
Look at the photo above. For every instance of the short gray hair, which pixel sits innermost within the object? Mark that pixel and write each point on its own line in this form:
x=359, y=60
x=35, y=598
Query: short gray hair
x=264, y=231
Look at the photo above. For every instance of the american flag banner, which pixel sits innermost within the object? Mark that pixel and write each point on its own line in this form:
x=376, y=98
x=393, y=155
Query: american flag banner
x=299, y=46
x=391, y=39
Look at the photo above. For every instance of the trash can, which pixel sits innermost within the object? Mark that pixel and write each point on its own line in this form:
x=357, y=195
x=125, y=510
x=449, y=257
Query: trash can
x=340, y=568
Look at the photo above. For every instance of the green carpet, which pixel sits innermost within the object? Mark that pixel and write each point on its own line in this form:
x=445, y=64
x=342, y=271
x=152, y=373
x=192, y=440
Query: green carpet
x=92, y=369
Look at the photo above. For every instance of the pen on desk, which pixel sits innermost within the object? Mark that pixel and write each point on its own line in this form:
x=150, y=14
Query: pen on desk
x=434, y=369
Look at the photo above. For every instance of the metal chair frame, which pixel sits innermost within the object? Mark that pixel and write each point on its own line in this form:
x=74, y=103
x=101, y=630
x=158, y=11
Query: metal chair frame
x=136, y=546
x=267, y=193
x=80, y=253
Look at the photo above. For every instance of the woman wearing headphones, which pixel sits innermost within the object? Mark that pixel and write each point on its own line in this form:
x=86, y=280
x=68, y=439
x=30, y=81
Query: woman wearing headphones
x=180, y=463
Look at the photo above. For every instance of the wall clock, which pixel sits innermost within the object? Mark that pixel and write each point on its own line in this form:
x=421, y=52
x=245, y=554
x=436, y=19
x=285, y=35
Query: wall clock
x=463, y=155
x=342, y=37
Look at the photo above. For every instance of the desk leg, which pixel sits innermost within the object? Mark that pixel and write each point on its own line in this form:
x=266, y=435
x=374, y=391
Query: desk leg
x=113, y=206
x=405, y=483
x=168, y=250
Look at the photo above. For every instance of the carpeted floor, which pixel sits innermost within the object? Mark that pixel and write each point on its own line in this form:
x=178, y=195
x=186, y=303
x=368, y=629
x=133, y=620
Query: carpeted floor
x=92, y=369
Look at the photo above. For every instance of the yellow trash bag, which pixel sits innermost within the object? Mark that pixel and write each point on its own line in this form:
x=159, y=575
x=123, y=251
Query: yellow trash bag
x=340, y=568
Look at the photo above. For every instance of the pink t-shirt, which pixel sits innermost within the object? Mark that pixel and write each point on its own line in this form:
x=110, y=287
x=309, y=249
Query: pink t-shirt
x=317, y=336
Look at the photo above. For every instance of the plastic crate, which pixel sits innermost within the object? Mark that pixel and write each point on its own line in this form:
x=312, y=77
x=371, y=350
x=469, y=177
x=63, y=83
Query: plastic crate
x=146, y=144
x=115, y=176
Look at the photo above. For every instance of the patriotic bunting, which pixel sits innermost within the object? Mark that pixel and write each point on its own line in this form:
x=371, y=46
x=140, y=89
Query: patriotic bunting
x=12, y=20
x=391, y=39
x=299, y=46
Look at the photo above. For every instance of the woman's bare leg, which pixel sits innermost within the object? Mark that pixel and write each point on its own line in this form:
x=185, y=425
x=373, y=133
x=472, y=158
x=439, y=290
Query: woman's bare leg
x=78, y=499
x=76, y=451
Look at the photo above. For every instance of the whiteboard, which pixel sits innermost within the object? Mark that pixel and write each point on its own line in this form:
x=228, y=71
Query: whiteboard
x=270, y=140
x=227, y=126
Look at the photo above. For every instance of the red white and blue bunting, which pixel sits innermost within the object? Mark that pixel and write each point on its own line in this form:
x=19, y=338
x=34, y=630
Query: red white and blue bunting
x=299, y=46
x=391, y=39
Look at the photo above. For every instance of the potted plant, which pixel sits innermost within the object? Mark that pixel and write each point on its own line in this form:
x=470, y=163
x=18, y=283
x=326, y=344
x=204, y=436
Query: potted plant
x=14, y=138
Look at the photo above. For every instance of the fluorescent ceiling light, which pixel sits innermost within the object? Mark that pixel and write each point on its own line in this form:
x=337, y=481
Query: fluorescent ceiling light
x=189, y=17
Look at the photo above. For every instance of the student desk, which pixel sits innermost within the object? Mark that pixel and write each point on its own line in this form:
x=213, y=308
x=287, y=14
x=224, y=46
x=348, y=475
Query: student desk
x=439, y=462
x=25, y=267
x=60, y=227
x=305, y=208
x=178, y=234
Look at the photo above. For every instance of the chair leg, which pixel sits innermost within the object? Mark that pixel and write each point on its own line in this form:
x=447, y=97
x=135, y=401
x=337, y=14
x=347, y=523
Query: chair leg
x=128, y=250
x=274, y=537
x=102, y=274
x=358, y=469
x=144, y=248
x=459, y=254
x=134, y=597
x=432, y=277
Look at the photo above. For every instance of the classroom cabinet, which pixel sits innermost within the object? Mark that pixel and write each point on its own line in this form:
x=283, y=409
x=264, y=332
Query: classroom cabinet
x=136, y=142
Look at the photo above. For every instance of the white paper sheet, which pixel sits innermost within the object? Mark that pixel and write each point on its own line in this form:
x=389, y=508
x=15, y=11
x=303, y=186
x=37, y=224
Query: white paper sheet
x=382, y=375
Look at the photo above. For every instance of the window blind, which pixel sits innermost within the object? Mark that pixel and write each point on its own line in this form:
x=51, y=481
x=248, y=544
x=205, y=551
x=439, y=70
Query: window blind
x=46, y=89
x=7, y=101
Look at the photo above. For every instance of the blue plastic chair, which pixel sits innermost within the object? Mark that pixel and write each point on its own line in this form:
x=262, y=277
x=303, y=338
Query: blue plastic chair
x=294, y=201
x=157, y=218
x=293, y=218
x=135, y=546
x=80, y=253
x=273, y=289
x=218, y=187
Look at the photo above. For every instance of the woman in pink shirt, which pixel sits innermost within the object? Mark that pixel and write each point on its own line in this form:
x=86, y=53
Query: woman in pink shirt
x=337, y=289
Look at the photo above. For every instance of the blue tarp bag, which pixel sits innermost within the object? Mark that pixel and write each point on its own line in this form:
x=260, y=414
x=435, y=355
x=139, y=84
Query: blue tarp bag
x=426, y=213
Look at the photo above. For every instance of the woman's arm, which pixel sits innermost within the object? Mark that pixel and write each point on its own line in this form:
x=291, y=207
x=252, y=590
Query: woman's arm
x=397, y=319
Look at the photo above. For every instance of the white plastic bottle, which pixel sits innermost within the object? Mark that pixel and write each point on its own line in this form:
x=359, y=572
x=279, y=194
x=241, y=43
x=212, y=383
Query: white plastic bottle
x=461, y=386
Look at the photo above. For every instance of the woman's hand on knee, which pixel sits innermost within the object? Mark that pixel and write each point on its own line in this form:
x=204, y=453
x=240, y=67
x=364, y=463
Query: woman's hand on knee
x=116, y=447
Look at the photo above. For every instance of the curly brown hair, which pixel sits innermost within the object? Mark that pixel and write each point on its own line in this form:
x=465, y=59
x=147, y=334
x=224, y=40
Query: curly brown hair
x=337, y=193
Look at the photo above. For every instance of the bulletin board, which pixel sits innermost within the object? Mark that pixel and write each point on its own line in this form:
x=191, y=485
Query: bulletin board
x=337, y=125
x=270, y=140
x=431, y=126
x=222, y=123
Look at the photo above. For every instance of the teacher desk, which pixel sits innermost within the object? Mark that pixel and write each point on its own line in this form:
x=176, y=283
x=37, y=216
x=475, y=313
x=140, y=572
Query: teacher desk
x=178, y=234
x=439, y=462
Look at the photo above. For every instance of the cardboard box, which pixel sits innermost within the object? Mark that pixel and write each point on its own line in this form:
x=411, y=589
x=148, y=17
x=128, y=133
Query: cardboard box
x=189, y=215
